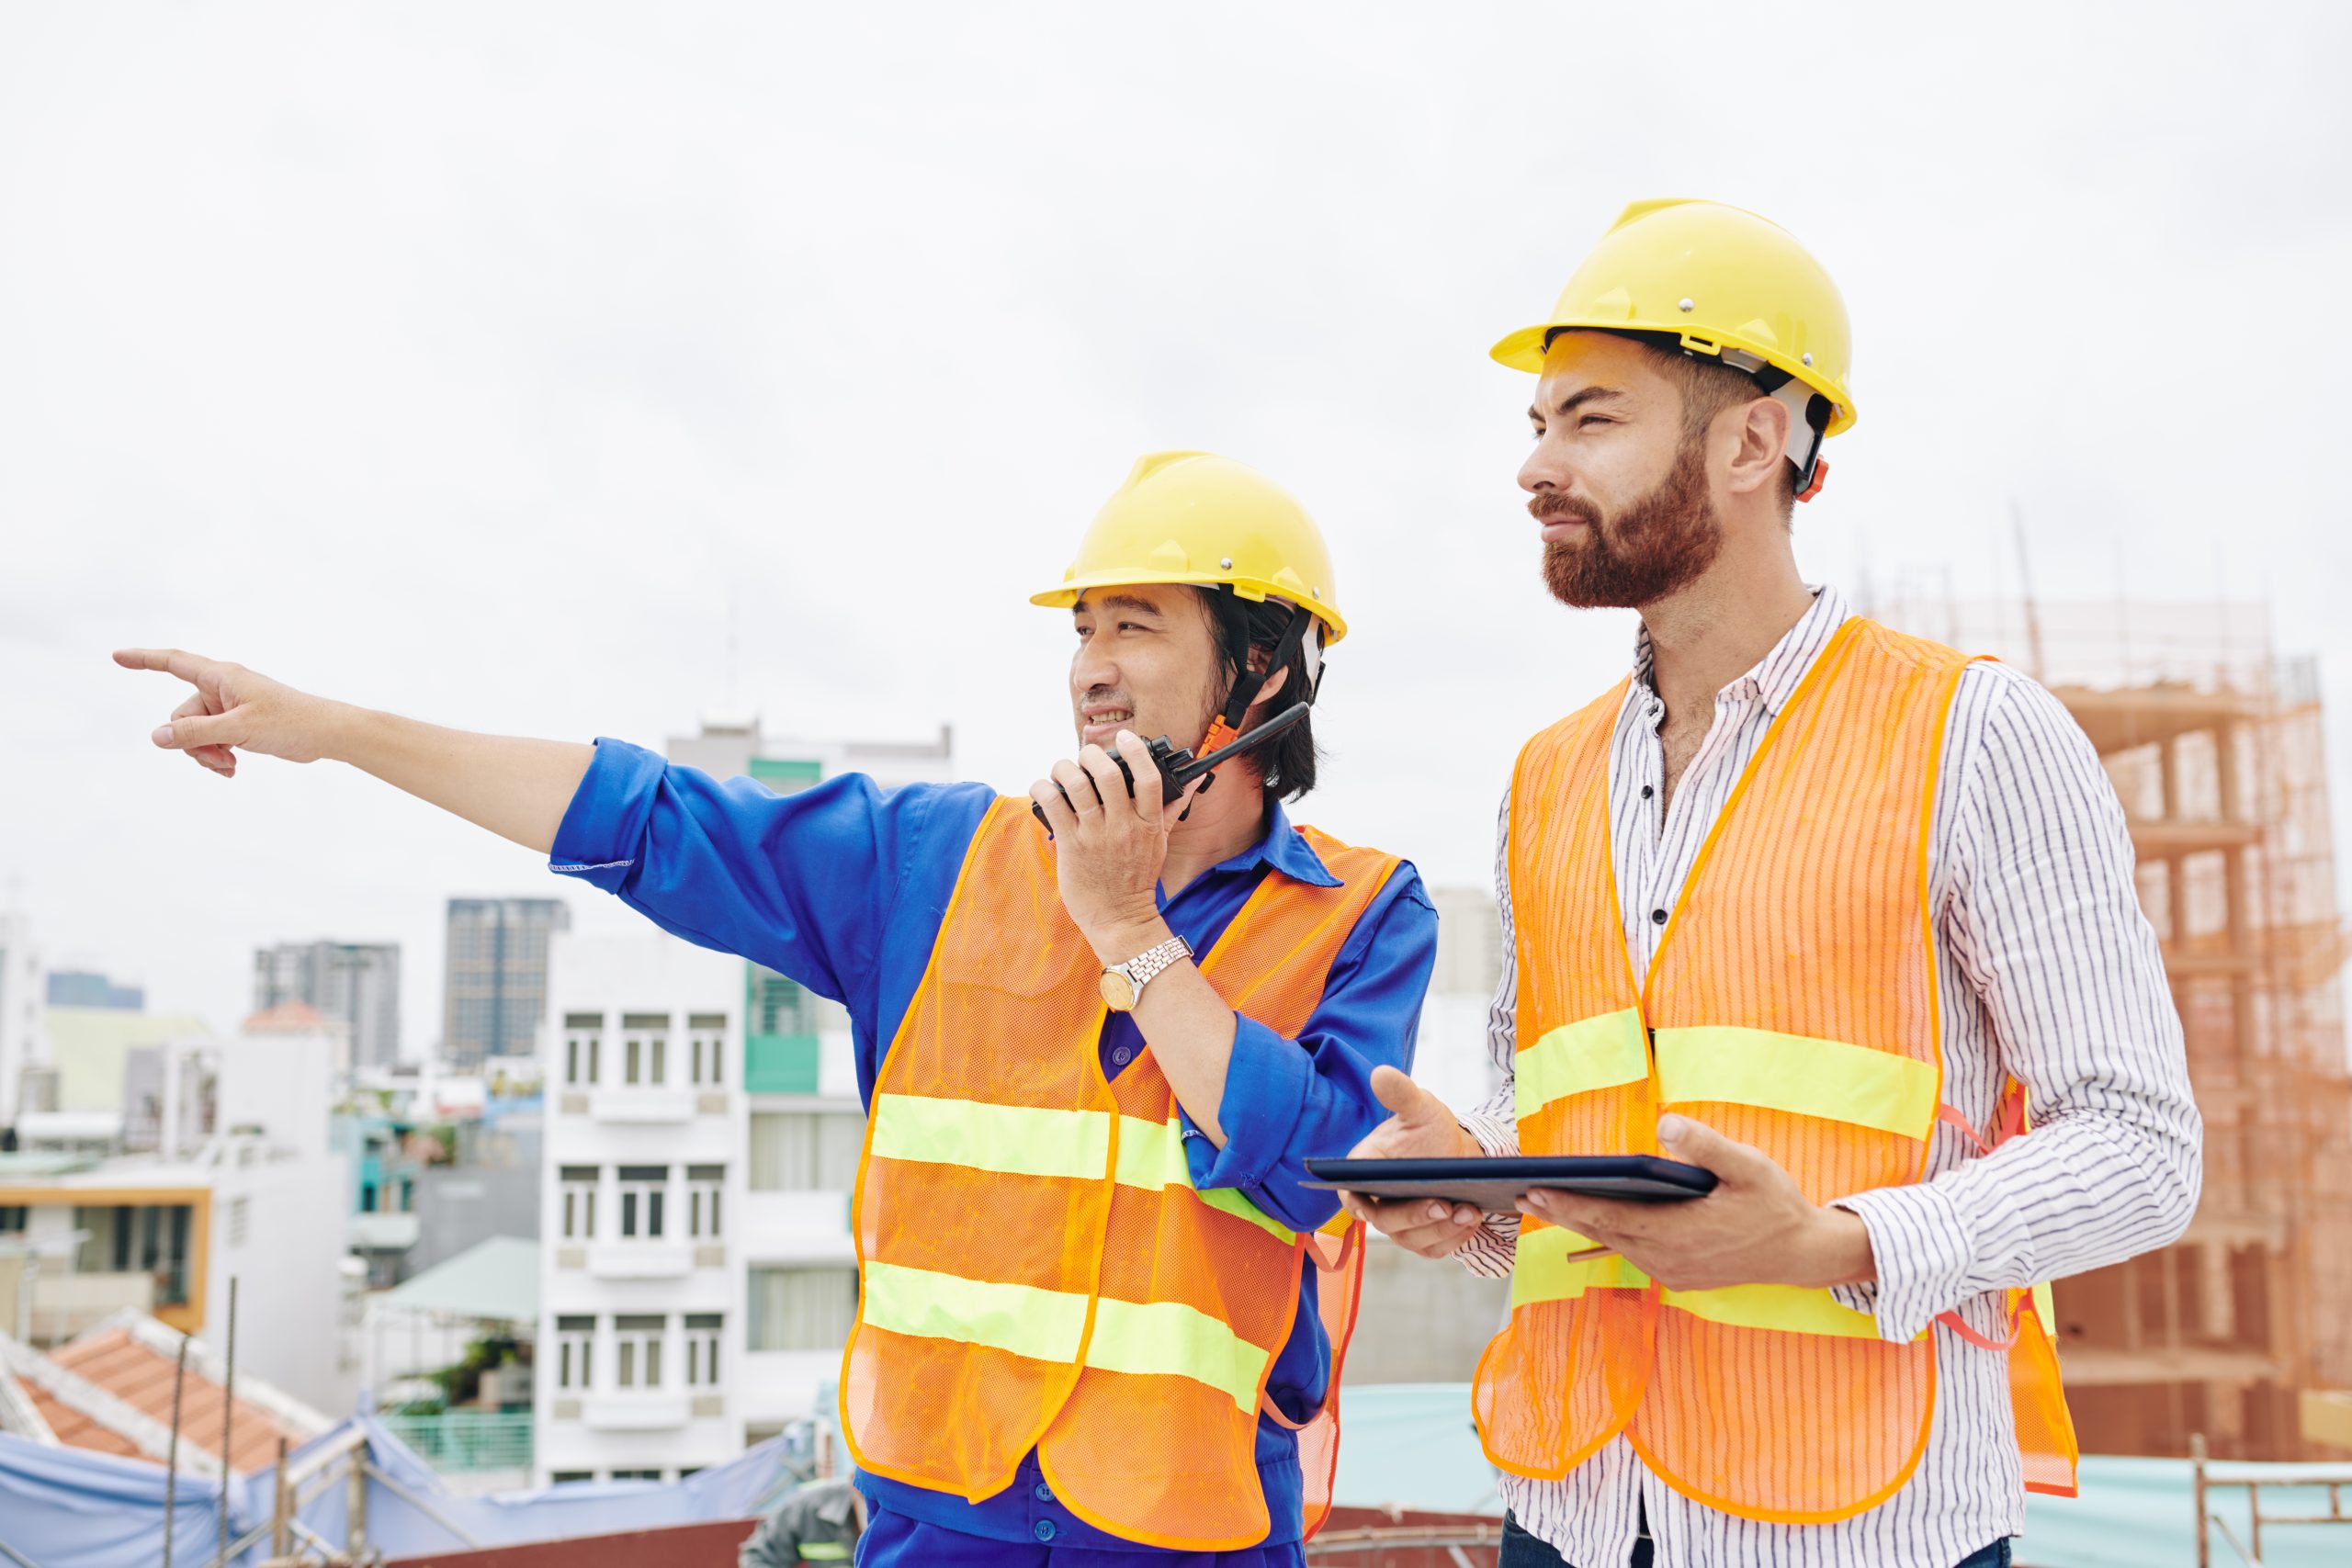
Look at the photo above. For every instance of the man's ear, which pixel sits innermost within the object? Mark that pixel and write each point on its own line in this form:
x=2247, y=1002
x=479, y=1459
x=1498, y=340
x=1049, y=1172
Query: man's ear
x=1267, y=692
x=1763, y=442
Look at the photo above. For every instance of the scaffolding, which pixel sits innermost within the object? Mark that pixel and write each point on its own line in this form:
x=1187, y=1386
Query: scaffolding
x=2216, y=749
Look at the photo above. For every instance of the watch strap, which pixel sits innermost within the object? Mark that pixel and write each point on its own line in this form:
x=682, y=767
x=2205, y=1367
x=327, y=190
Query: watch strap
x=1140, y=969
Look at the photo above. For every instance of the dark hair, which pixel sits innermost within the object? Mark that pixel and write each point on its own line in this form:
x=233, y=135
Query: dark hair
x=1709, y=386
x=1286, y=762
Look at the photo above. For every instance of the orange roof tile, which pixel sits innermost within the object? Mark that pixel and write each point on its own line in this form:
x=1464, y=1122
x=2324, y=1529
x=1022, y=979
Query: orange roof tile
x=75, y=1430
x=141, y=1379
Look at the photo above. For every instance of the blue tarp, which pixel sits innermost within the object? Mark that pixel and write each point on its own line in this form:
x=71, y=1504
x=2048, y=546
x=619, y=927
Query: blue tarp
x=1414, y=1445
x=71, y=1508
x=1411, y=1445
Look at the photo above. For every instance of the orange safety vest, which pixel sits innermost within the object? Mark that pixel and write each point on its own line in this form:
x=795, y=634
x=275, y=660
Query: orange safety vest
x=1791, y=1005
x=1035, y=1268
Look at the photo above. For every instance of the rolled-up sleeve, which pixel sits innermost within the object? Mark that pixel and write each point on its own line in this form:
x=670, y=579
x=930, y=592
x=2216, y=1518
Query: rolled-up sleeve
x=800, y=882
x=1287, y=1100
x=2045, y=919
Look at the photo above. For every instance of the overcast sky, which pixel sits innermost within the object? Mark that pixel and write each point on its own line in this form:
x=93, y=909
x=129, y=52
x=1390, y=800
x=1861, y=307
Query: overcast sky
x=488, y=363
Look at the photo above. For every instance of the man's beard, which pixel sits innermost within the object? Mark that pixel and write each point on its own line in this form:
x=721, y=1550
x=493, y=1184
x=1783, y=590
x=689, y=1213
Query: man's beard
x=1653, y=546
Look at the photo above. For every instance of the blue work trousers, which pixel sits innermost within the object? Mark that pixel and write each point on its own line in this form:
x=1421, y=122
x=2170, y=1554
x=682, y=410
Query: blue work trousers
x=894, y=1540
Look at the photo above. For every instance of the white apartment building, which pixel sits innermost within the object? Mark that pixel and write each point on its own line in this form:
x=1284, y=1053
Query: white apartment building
x=703, y=1133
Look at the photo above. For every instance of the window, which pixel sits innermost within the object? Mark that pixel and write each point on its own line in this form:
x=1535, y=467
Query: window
x=575, y=1337
x=558, y=1477
x=583, y=1034
x=707, y=1038
x=801, y=1309
x=805, y=1151
x=12, y=1219
x=578, y=1185
x=702, y=1349
x=703, y=1184
x=636, y=1350
x=643, y=1188
x=645, y=1043
x=637, y=1475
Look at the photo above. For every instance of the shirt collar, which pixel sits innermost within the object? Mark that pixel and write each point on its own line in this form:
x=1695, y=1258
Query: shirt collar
x=1286, y=849
x=1773, y=679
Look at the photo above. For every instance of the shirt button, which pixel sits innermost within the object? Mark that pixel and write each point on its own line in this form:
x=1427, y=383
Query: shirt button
x=1120, y=1057
x=1647, y=791
x=1657, y=917
x=1043, y=1529
x=1045, y=1494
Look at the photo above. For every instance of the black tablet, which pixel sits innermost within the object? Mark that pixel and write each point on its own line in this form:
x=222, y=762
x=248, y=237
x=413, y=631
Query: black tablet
x=1497, y=1185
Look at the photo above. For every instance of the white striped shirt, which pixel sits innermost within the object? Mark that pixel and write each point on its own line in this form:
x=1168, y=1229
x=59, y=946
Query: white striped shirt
x=2048, y=972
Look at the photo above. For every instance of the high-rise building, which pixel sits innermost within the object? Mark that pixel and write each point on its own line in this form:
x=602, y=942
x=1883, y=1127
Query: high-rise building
x=494, y=987
x=356, y=984
x=703, y=1129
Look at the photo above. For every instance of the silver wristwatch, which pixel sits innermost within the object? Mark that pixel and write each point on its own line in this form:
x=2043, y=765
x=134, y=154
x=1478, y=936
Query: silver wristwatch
x=1123, y=983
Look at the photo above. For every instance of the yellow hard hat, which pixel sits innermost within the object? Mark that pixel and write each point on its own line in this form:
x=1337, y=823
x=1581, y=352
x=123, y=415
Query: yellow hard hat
x=1194, y=517
x=1724, y=281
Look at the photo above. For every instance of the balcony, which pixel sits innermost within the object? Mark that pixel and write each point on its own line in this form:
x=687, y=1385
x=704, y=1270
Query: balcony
x=640, y=1260
x=63, y=1305
x=466, y=1442
x=642, y=1105
x=651, y=1410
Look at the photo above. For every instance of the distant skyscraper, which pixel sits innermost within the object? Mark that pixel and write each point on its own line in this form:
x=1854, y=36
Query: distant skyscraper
x=356, y=984
x=85, y=988
x=494, y=987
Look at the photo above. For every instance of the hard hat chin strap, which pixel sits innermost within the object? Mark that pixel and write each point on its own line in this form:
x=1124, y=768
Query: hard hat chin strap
x=1293, y=647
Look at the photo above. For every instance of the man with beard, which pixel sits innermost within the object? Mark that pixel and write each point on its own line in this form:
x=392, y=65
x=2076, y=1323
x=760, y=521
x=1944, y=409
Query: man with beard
x=1831, y=911
x=1089, y=1323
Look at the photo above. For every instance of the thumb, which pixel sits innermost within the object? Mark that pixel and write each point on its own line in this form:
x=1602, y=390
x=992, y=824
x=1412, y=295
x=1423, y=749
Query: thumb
x=1695, y=1143
x=1406, y=1099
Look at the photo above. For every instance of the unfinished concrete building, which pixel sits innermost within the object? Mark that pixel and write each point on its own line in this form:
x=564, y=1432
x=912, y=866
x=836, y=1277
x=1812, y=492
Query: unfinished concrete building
x=2243, y=1330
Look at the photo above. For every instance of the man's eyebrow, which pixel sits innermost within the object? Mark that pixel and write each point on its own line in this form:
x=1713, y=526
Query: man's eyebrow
x=1577, y=399
x=1128, y=601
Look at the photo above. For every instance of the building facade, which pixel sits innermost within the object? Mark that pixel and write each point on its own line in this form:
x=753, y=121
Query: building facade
x=356, y=984
x=494, y=986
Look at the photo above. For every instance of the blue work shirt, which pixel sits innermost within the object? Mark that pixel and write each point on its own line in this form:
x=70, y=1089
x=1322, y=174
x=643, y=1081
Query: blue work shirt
x=842, y=887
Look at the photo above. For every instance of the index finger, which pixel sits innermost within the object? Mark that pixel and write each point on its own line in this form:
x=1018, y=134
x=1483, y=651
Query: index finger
x=1148, y=783
x=185, y=665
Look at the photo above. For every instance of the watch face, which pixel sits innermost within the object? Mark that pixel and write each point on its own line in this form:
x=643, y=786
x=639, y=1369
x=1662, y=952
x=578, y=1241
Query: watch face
x=1118, y=991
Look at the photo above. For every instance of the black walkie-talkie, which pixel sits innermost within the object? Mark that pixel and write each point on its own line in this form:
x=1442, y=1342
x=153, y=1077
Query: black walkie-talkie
x=1179, y=767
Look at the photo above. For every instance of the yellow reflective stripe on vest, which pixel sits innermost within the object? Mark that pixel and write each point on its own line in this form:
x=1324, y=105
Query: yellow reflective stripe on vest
x=1599, y=1052
x=1798, y=1074
x=1166, y=1338
x=822, y=1554
x=1540, y=1270
x=1151, y=1155
x=1788, y=1309
x=1169, y=1337
x=2046, y=1307
x=1011, y=1140
x=1045, y=1326
x=1021, y=1140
